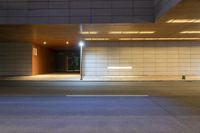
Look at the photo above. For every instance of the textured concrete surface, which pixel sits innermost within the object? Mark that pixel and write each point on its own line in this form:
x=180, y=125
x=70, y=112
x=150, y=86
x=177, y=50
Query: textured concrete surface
x=143, y=107
x=127, y=114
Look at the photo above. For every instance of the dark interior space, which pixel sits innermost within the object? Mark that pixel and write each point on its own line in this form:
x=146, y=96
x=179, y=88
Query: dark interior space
x=67, y=61
x=48, y=60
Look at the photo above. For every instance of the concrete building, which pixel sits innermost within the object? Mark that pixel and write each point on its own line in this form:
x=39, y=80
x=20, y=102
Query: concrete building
x=47, y=47
x=123, y=38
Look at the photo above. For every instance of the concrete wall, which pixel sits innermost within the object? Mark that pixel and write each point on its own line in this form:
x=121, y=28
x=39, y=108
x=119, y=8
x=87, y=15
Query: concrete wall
x=42, y=60
x=15, y=59
x=75, y=11
x=146, y=58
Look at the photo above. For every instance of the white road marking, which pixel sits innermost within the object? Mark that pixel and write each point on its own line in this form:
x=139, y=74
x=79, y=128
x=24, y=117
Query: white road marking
x=107, y=95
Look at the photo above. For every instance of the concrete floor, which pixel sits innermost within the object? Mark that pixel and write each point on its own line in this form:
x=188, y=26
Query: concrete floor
x=128, y=107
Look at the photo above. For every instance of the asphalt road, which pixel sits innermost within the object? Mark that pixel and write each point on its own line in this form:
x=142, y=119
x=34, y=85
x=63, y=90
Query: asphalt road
x=99, y=107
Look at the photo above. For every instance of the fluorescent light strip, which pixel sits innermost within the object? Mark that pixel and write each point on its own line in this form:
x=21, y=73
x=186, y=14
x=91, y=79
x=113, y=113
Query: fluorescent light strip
x=89, y=33
x=115, y=32
x=146, y=32
x=190, y=32
x=140, y=39
x=132, y=32
x=149, y=39
x=183, y=21
x=117, y=68
x=96, y=39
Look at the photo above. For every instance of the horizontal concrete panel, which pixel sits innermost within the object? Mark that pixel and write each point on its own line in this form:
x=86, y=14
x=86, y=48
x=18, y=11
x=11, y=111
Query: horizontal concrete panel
x=76, y=11
x=141, y=59
x=15, y=59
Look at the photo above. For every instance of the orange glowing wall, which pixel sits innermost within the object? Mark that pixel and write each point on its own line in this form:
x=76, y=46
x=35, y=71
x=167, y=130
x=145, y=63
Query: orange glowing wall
x=42, y=60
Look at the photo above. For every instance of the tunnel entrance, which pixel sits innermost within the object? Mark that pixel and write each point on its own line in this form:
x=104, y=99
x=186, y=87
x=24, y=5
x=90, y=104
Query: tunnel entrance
x=55, y=63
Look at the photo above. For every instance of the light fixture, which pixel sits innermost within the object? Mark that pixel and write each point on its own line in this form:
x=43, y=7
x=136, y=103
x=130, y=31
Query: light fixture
x=120, y=67
x=190, y=32
x=88, y=39
x=124, y=39
x=139, y=39
x=183, y=21
x=96, y=39
x=44, y=43
x=115, y=32
x=146, y=32
x=132, y=32
x=149, y=39
x=67, y=42
x=89, y=32
x=81, y=43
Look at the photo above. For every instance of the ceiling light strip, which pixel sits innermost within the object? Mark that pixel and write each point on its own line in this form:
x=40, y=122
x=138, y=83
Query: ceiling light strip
x=190, y=32
x=89, y=33
x=149, y=39
x=140, y=39
x=96, y=39
x=183, y=21
x=132, y=32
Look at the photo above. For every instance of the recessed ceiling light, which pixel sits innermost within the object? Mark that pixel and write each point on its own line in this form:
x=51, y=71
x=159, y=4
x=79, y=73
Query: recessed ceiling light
x=67, y=42
x=190, y=32
x=183, y=21
x=44, y=43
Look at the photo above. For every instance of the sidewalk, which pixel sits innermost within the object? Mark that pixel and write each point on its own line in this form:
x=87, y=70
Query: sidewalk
x=76, y=77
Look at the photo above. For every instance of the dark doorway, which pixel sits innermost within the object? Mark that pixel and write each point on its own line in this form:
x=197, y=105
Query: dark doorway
x=67, y=61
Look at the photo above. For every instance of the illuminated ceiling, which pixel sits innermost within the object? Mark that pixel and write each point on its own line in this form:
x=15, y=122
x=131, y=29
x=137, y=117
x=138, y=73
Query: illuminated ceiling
x=181, y=23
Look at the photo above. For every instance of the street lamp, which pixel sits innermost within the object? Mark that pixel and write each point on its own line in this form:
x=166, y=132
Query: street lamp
x=81, y=44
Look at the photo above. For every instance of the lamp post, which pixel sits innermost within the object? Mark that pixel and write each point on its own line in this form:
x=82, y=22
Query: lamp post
x=81, y=44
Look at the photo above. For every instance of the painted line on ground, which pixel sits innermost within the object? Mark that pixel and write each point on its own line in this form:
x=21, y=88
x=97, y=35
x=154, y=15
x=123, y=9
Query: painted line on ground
x=107, y=95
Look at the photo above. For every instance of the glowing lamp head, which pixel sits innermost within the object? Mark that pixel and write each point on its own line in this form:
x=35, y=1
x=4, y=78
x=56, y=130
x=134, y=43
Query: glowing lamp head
x=81, y=43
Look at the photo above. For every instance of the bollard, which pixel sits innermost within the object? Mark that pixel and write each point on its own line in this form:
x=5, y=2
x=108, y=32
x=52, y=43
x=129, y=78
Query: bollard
x=183, y=77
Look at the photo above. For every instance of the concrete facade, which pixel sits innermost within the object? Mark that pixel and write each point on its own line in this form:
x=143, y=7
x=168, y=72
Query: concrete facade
x=79, y=11
x=145, y=58
x=15, y=59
